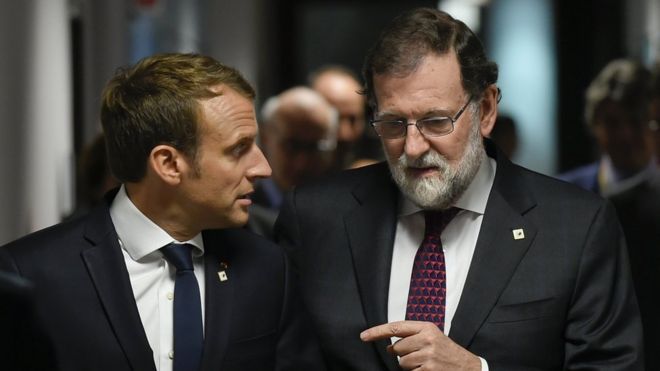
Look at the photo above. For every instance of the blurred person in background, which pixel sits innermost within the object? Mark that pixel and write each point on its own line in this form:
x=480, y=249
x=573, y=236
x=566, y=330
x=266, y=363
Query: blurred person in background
x=654, y=123
x=341, y=87
x=505, y=135
x=161, y=276
x=299, y=138
x=638, y=209
x=616, y=112
x=94, y=178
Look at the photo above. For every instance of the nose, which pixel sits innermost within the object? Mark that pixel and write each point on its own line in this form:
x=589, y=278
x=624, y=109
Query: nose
x=416, y=143
x=260, y=168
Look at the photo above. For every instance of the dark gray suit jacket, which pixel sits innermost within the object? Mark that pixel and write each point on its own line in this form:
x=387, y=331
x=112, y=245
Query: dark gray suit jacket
x=83, y=296
x=559, y=299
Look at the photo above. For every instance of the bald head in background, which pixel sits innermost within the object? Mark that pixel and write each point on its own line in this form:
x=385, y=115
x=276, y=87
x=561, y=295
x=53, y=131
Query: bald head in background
x=340, y=87
x=299, y=136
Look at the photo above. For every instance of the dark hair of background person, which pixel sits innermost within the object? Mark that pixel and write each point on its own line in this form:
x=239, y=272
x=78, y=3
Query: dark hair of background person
x=94, y=177
x=417, y=33
x=505, y=134
x=156, y=102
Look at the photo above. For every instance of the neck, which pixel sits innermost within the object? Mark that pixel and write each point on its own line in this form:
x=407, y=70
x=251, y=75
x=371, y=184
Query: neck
x=158, y=204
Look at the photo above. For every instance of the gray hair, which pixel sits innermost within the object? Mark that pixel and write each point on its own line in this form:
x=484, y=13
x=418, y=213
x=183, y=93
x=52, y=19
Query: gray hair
x=623, y=81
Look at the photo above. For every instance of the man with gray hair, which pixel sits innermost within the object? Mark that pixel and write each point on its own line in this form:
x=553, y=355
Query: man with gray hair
x=448, y=256
x=299, y=137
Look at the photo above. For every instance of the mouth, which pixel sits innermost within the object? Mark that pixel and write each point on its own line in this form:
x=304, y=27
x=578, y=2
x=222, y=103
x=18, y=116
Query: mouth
x=422, y=171
x=245, y=199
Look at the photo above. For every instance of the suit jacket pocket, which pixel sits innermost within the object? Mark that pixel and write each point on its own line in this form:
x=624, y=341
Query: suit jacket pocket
x=515, y=312
x=262, y=345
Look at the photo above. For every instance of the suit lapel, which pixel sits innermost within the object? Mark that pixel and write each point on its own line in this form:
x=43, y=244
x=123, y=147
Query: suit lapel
x=497, y=252
x=370, y=228
x=107, y=270
x=219, y=299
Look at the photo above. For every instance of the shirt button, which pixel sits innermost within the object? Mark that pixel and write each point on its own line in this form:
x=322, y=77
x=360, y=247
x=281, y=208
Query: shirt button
x=171, y=354
x=170, y=295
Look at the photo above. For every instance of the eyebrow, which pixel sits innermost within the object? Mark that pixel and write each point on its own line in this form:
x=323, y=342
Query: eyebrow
x=435, y=112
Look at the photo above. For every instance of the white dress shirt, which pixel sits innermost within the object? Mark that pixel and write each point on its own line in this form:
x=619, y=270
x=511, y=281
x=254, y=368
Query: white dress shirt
x=151, y=276
x=459, y=239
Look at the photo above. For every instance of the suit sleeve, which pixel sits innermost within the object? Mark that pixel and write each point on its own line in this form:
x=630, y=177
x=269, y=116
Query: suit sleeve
x=603, y=327
x=298, y=347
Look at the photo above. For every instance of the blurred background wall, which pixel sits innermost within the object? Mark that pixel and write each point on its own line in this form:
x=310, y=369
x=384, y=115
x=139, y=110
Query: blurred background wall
x=56, y=55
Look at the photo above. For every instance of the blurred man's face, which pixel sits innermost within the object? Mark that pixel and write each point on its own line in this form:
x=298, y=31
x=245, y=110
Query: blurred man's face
x=215, y=191
x=299, y=146
x=624, y=135
x=342, y=92
x=433, y=172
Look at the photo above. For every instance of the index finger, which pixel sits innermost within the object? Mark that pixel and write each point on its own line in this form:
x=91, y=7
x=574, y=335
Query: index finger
x=400, y=329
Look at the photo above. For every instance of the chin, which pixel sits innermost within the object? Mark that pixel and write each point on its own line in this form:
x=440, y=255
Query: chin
x=238, y=220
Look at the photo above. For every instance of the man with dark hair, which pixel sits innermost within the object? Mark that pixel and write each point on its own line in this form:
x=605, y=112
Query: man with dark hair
x=160, y=276
x=617, y=113
x=449, y=256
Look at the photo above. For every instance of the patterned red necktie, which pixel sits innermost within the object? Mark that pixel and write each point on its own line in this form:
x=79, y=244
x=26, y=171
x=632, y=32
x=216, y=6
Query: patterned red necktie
x=426, y=298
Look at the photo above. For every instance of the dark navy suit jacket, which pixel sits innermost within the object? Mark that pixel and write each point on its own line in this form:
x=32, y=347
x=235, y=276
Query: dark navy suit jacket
x=561, y=298
x=84, y=298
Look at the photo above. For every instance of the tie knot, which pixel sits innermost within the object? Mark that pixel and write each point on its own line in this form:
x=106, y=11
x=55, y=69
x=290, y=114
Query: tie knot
x=437, y=220
x=179, y=255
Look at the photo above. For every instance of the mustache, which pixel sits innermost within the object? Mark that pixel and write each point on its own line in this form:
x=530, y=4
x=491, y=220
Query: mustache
x=429, y=159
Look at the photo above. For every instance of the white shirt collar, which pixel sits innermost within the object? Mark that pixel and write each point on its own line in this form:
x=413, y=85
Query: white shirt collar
x=475, y=196
x=138, y=235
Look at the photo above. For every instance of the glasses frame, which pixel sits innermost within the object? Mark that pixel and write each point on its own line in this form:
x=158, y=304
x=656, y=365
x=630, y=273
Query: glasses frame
x=405, y=123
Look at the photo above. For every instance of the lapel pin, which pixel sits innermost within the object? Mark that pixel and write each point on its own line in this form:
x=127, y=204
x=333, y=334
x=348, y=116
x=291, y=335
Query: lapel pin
x=518, y=234
x=222, y=274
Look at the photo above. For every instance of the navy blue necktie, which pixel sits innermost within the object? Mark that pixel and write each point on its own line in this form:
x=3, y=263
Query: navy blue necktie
x=188, y=327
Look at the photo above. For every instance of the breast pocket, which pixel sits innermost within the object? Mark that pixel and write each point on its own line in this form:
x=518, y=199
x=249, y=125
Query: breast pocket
x=524, y=311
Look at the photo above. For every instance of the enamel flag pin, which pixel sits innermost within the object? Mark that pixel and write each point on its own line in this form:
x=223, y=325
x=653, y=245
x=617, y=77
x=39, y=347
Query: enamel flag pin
x=222, y=274
x=518, y=234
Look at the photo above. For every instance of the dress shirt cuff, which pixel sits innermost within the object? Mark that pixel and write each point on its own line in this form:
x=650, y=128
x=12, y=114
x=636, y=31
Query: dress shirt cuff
x=484, y=364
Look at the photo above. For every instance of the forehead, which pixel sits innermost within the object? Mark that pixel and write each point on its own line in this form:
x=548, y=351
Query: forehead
x=226, y=113
x=302, y=122
x=434, y=84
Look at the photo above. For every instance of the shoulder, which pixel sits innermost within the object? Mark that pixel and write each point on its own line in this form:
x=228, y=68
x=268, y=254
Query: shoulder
x=346, y=181
x=56, y=236
x=61, y=242
x=514, y=178
x=241, y=243
x=549, y=199
x=584, y=176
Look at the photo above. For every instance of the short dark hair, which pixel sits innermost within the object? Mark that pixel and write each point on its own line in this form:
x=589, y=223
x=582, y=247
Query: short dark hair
x=413, y=35
x=157, y=102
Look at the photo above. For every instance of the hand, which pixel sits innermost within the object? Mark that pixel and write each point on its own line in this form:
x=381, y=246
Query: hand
x=423, y=347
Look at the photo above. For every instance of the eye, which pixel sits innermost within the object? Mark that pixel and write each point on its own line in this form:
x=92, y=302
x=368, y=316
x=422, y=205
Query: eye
x=241, y=148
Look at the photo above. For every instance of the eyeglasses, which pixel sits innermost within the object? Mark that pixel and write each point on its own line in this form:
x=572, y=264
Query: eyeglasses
x=429, y=127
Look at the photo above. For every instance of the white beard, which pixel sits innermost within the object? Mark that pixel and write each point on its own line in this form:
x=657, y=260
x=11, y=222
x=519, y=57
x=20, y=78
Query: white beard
x=442, y=191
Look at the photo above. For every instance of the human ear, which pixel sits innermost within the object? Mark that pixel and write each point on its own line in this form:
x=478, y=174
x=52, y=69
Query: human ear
x=167, y=163
x=488, y=111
